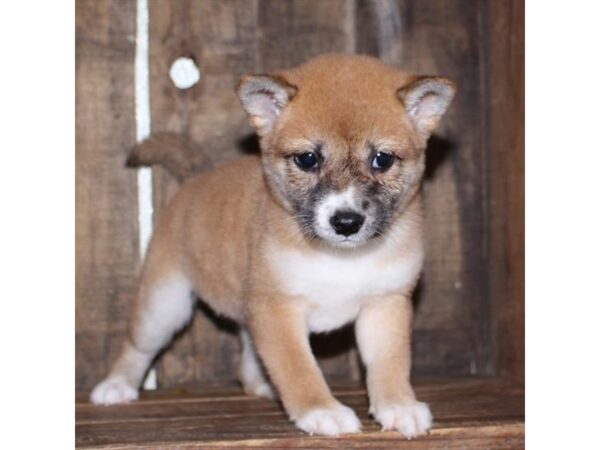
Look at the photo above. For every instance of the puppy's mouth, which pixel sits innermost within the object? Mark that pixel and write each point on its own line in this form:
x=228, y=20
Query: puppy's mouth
x=346, y=235
x=348, y=243
x=340, y=219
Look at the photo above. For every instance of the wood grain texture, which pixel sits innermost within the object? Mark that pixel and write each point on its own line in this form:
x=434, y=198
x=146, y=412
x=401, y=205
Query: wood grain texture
x=106, y=241
x=291, y=32
x=452, y=334
x=475, y=413
x=470, y=315
x=505, y=65
x=220, y=37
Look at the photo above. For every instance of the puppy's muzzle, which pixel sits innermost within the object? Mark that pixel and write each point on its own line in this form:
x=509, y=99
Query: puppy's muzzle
x=346, y=223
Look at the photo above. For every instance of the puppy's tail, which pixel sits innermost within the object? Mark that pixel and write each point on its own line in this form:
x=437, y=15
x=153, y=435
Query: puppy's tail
x=170, y=151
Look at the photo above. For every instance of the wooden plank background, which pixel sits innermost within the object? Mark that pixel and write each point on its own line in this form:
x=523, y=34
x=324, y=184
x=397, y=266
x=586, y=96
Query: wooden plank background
x=106, y=244
x=505, y=140
x=474, y=179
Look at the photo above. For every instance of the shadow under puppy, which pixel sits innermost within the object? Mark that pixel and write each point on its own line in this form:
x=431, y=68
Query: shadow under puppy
x=324, y=228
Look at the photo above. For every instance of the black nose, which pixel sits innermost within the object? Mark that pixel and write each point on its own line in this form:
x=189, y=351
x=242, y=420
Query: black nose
x=346, y=222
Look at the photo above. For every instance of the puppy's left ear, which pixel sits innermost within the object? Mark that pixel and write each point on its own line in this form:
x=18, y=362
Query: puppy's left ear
x=426, y=100
x=264, y=97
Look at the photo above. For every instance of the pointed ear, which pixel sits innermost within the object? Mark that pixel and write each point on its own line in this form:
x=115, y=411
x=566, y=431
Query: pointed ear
x=426, y=100
x=264, y=97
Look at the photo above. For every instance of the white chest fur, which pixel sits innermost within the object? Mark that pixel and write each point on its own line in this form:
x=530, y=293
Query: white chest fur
x=334, y=283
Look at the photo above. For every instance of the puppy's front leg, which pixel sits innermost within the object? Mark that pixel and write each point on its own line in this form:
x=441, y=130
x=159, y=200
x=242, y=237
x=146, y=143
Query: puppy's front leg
x=383, y=329
x=280, y=335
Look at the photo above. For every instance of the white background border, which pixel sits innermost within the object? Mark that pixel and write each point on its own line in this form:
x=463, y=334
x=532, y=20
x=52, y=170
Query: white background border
x=562, y=224
x=37, y=225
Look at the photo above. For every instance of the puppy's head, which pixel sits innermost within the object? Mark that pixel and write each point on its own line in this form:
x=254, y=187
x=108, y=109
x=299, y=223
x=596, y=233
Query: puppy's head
x=343, y=141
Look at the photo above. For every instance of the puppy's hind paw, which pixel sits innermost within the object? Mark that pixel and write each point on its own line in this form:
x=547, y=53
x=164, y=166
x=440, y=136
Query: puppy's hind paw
x=411, y=419
x=113, y=391
x=264, y=390
x=329, y=422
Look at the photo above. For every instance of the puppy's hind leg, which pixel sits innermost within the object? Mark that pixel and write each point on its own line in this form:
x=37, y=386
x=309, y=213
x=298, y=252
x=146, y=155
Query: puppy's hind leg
x=251, y=373
x=164, y=307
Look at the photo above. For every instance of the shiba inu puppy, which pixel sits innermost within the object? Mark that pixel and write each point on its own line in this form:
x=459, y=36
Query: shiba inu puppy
x=323, y=229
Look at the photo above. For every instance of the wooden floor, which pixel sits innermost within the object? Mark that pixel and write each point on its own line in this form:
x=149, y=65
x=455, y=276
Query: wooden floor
x=468, y=413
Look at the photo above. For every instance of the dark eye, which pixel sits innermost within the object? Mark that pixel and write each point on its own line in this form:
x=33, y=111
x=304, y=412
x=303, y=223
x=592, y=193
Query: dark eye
x=306, y=161
x=382, y=161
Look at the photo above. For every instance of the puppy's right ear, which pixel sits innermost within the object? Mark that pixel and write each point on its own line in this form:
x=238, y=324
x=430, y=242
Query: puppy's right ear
x=264, y=97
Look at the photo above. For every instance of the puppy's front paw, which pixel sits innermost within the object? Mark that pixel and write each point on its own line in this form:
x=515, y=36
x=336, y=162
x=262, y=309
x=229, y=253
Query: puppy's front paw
x=113, y=391
x=330, y=422
x=410, y=419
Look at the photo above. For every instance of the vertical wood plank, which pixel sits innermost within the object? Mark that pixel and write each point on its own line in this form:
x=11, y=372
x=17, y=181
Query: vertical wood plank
x=505, y=66
x=220, y=37
x=442, y=38
x=106, y=203
x=451, y=334
x=291, y=32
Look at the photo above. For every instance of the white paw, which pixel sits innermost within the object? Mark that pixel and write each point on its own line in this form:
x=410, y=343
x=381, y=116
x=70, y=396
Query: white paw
x=263, y=389
x=410, y=419
x=330, y=422
x=113, y=391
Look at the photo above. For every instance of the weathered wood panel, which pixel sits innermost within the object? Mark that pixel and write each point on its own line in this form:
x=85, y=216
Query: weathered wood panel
x=470, y=301
x=106, y=242
x=505, y=77
x=442, y=37
x=475, y=413
x=220, y=37
x=291, y=32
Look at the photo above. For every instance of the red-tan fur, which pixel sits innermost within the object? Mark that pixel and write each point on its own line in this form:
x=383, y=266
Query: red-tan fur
x=223, y=230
